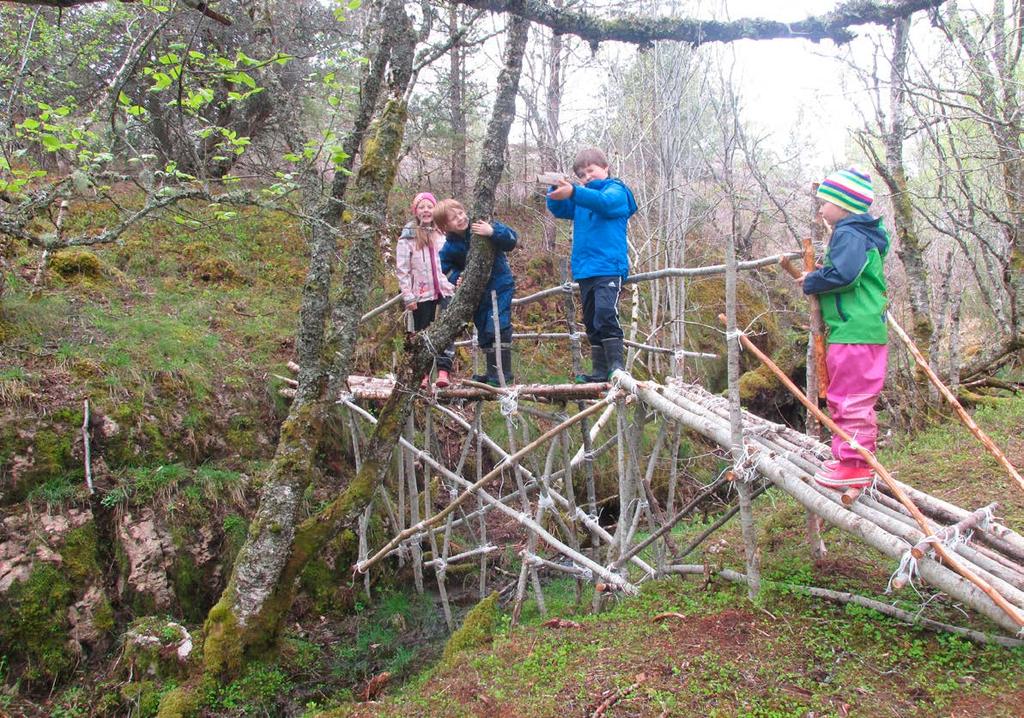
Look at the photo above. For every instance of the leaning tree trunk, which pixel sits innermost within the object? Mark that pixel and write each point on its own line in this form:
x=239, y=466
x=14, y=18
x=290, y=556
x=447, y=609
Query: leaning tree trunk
x=247, y=619
x=376, y=457
x=456, y=98
x=549, y=123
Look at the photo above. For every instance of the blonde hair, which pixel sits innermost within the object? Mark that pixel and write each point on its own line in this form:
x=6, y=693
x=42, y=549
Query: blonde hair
x=423, y=239
x=443, y=209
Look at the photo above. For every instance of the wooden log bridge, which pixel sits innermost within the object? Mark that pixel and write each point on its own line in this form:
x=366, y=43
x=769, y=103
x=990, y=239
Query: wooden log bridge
x=544, y=493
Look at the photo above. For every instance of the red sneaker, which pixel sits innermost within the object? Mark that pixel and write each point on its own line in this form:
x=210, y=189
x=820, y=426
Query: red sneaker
x=443, y=379
x=835, y=475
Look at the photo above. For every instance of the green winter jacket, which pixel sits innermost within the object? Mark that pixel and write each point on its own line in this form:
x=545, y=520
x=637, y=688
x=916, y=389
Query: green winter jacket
x=852, y=283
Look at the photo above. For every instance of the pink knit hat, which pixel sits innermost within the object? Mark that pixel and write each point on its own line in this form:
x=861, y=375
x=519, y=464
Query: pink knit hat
x=420, y=197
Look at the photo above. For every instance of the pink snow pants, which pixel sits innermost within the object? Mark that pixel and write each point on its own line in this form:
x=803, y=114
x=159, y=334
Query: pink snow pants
x=856, y=374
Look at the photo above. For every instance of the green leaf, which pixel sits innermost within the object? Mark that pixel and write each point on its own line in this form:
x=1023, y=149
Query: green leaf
x=50, y=143
x=161, y=82
x=29, y=124
x=338, y=156
x=355, y=4
x=241, y=77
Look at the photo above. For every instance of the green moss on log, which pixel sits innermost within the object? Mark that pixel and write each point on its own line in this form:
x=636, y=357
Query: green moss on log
x=222, y=644
x=477, y=629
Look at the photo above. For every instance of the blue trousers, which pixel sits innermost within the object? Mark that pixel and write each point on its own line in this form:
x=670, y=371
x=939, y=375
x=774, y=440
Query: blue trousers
x=483, y=318
x=600, y=297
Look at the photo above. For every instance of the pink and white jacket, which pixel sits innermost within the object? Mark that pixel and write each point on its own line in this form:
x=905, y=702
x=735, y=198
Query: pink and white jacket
x=418, y=269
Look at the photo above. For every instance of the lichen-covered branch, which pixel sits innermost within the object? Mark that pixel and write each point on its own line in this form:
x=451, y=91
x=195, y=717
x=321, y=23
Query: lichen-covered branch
x=640, y=30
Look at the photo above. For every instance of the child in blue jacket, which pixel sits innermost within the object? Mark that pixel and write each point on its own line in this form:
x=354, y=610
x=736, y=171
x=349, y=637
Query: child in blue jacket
x=599, y=210
x=450, y=217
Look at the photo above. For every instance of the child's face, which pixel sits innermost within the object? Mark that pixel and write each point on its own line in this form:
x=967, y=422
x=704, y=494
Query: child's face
x=425, y=211
x=831, y=213
x=592, y=172
x=457, y=219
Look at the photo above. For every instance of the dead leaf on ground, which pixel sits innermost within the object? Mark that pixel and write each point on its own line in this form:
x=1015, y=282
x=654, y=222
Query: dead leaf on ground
x=560, y=623
x=376, y=686
x=668, y=614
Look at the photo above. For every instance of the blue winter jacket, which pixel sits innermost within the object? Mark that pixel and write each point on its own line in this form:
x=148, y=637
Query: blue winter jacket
x=456, y=249
x=599, y=212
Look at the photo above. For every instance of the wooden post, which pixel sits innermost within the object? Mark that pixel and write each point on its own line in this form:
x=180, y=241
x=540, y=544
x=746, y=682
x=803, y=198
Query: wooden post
x=736, y=449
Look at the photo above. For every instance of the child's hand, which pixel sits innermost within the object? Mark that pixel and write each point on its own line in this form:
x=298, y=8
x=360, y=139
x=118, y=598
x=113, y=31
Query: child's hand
x=800, y=280
x=562, y=191
x=412, y=306
x=482, y=228
x=458, y=282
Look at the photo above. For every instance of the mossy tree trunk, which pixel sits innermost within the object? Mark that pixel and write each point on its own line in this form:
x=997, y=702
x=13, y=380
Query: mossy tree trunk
x=345, y=510
x=247, y=620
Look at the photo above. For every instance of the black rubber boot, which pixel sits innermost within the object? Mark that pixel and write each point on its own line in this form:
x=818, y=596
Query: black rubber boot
x=506, y=367
x=599, y=366
x=613, y=355
x=492, y=368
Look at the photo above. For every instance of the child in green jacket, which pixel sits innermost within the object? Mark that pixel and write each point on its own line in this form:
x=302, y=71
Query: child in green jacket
x=852, y=293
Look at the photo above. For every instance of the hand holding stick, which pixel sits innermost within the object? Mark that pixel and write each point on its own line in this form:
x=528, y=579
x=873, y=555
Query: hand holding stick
x=819, y=339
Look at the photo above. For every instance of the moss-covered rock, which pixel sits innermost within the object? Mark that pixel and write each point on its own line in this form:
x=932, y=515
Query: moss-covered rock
x=181, y=702
x=80, y=554
x=477, y=629
x=76, y=263
x=157, y=649
x=34, y=625
x=216, y=269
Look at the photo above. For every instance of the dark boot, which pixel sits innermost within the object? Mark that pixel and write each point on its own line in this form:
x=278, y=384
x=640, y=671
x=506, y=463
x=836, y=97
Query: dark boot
x=599, y=366
x=506, y=366
x=613, y=354
x=492, y=368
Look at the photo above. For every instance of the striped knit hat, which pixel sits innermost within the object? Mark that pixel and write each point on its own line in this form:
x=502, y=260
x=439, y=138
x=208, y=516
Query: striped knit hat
x=848, y=189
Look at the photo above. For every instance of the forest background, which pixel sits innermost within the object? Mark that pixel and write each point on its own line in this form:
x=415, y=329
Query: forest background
x=194, y=196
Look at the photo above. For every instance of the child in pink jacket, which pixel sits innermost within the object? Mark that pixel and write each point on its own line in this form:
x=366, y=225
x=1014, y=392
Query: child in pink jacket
x=425, y=289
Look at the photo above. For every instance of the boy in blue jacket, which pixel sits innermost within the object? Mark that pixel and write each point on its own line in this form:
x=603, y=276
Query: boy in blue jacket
x=450, y=217
x=599, y=209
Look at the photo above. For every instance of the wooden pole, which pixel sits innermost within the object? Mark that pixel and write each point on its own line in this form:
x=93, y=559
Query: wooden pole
x=897, y=492
x=817, y=334
x=957, y=406
x=85, y=447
